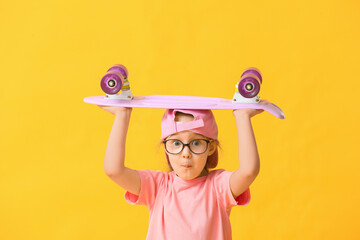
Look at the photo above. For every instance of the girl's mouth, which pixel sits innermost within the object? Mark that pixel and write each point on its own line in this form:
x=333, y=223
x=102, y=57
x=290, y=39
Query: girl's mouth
x=186, y=166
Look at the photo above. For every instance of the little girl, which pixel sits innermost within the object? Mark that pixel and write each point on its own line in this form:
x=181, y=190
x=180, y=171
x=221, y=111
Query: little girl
x=190, y=202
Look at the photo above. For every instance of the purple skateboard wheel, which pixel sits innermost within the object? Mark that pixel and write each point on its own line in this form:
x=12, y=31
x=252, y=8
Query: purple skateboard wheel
x=249, y=86
x=112, y=82
x=121, y=69
x=254, y=71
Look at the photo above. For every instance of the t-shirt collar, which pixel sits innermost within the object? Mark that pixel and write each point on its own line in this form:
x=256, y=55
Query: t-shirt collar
x=189, y=182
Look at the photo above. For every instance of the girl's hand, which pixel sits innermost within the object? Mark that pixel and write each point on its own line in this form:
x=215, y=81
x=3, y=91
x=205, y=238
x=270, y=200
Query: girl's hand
x=249, y=112
x=116, y=110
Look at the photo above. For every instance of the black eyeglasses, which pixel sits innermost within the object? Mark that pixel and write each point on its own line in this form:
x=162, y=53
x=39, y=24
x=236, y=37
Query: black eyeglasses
x=196, y=146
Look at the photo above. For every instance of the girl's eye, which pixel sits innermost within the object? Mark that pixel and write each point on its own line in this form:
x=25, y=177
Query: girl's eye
x=196, y=142
x=177, y=143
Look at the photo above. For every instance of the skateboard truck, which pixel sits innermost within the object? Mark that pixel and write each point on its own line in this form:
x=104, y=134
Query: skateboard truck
x=116, y=80
x=248, y=87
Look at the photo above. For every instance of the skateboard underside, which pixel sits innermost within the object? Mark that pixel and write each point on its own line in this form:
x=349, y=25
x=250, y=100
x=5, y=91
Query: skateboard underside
x=184, y=102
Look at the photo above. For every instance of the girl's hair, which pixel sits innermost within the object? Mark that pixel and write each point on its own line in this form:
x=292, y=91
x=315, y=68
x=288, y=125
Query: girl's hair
x=215, y=140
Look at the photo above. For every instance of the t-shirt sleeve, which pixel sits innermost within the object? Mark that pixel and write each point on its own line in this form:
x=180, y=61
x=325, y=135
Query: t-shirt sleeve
x=150, y=184
x=222, y=186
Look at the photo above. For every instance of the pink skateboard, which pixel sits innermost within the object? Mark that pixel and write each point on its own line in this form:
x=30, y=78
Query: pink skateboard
x=246, y=91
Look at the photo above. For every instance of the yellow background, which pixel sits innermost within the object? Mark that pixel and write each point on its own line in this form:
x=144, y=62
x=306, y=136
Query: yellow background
x=54, y=53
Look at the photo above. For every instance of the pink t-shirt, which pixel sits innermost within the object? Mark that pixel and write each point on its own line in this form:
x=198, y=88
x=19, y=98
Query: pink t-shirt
x=187, y=209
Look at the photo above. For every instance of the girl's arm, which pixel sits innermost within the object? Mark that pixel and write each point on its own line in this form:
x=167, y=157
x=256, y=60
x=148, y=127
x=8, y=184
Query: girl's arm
x=114, y=166
x=249, y=162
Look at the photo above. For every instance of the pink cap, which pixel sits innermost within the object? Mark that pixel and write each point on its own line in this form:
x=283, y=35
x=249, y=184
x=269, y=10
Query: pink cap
x=204, y=123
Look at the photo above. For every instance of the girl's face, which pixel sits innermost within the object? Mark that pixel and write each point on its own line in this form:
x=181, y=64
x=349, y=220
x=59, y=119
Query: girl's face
x=186, y=164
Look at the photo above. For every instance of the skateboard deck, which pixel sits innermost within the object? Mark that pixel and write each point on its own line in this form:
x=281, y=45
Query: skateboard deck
x=184, y=102
x=246, y=95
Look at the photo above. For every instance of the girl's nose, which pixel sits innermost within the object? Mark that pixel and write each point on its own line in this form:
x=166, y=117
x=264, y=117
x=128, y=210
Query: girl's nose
x=186, y=153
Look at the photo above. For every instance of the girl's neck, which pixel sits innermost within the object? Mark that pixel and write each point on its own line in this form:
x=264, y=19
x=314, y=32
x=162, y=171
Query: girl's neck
x=203, y=173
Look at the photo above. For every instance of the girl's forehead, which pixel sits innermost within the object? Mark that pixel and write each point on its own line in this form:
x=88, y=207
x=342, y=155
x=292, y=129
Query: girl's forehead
x=185, y=134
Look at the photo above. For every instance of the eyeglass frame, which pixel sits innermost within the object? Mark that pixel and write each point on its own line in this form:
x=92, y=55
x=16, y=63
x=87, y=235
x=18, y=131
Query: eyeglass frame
x=187, y=144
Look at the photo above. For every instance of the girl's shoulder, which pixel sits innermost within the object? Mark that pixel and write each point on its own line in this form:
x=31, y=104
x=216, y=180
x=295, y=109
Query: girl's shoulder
x=154, y=173
x=218, y=173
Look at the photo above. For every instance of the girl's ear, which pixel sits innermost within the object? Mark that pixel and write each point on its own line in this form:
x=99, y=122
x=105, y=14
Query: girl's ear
x=212, y=148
